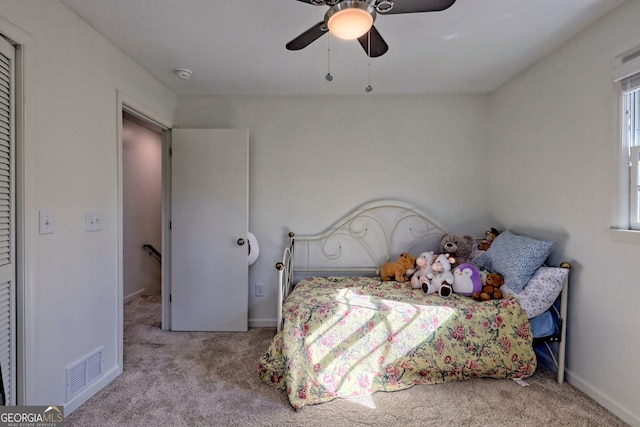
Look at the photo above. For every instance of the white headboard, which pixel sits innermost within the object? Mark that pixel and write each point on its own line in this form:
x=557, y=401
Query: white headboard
x=357, y=244
x=365, y=239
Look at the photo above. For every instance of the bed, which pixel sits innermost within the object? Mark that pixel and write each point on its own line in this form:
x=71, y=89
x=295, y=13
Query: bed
x=343, y=332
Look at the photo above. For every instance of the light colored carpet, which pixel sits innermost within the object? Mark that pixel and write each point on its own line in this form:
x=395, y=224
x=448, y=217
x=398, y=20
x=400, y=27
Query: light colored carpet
x=209, y=379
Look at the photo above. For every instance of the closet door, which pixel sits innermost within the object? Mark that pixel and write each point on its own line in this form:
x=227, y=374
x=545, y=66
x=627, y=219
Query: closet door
x=7, y=222
x=209, y=226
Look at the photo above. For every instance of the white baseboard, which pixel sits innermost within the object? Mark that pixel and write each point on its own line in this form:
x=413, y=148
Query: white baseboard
x=263, y=323
x=623, y=413
x=91, y=390
x=133, y=295
x=578, y=382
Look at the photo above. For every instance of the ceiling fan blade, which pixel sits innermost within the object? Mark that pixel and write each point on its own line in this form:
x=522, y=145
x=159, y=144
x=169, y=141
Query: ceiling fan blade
x=416, y=6
x=321, y=2
x=308, y=37
x=378, y=46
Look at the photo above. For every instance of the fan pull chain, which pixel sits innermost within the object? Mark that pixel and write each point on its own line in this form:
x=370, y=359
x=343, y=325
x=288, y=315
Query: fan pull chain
x=369, y=88
x=329, y=76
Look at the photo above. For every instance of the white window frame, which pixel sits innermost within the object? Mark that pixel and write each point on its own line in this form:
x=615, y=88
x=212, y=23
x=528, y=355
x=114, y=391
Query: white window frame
x=634, y=187
x=627, y=75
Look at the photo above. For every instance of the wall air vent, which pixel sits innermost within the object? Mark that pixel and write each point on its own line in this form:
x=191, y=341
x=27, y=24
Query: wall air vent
x=82, y=374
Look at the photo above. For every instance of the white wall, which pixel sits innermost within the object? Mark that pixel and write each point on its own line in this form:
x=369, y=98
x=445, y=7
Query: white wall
x=554, y=142
x=547, y=140
x=73, y=78
x=142, y=209
x=313, y=159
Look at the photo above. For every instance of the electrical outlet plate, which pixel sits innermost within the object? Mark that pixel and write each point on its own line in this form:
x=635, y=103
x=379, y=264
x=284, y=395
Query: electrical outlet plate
x=259, y=289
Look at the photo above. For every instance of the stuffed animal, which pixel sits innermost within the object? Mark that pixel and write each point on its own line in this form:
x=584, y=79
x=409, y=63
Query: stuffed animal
x=398, y=270
x=442, y=278
x=488, y=239
x=491, y=288
x=459, y=247
x=423, y=269
x=467, y=280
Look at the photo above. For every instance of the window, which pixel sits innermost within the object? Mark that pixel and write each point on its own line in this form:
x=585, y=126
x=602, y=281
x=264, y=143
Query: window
x=628, y=75
x=631, y=140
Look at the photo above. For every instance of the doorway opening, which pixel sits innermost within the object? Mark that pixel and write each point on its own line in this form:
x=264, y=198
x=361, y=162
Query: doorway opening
x=141, y=207
x=144, y=120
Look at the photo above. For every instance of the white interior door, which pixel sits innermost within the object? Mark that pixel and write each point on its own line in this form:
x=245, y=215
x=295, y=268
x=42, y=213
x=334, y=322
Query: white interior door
x=209, y=214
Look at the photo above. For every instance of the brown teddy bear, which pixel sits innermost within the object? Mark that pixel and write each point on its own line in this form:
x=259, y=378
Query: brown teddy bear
x=398, y=271
x=490, y=289
x=488, y=239
x=457, y=246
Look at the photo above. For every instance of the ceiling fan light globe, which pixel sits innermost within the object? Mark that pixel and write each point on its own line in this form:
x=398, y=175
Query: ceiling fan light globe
x=350, y=19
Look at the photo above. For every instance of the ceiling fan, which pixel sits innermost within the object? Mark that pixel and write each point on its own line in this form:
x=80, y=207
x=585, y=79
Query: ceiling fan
x=353, y=19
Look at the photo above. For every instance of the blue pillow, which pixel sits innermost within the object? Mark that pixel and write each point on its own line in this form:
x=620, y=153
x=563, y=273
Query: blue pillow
x=515, y=257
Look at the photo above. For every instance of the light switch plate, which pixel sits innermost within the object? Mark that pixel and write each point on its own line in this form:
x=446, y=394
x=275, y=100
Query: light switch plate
x=46, y=221
x=93, y=221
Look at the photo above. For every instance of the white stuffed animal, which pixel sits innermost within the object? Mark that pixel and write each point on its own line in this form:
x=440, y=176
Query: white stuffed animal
x=442, y=277
x=423, y=269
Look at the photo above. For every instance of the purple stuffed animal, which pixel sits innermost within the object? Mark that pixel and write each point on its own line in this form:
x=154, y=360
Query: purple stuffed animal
x=466, y=279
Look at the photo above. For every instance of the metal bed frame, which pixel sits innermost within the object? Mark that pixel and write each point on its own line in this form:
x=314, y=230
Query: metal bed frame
x=398, y=228
x=559, y=311
x=375, y=231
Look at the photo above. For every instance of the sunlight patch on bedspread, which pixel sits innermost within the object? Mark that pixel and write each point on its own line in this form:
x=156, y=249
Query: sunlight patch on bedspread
x=350, y=338
x=405, y=325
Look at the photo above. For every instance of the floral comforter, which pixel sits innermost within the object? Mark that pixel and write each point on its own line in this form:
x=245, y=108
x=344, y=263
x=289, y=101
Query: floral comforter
x=348, y=337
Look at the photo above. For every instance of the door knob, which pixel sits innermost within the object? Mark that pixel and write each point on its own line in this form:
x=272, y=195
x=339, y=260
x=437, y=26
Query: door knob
x=240, y=241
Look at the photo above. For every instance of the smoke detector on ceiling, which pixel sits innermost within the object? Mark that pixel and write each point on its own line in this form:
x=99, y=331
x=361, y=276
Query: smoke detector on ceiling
x=183, y=73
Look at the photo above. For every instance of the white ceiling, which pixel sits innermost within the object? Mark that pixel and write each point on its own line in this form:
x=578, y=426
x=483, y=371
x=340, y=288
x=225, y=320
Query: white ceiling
x=237, y=47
